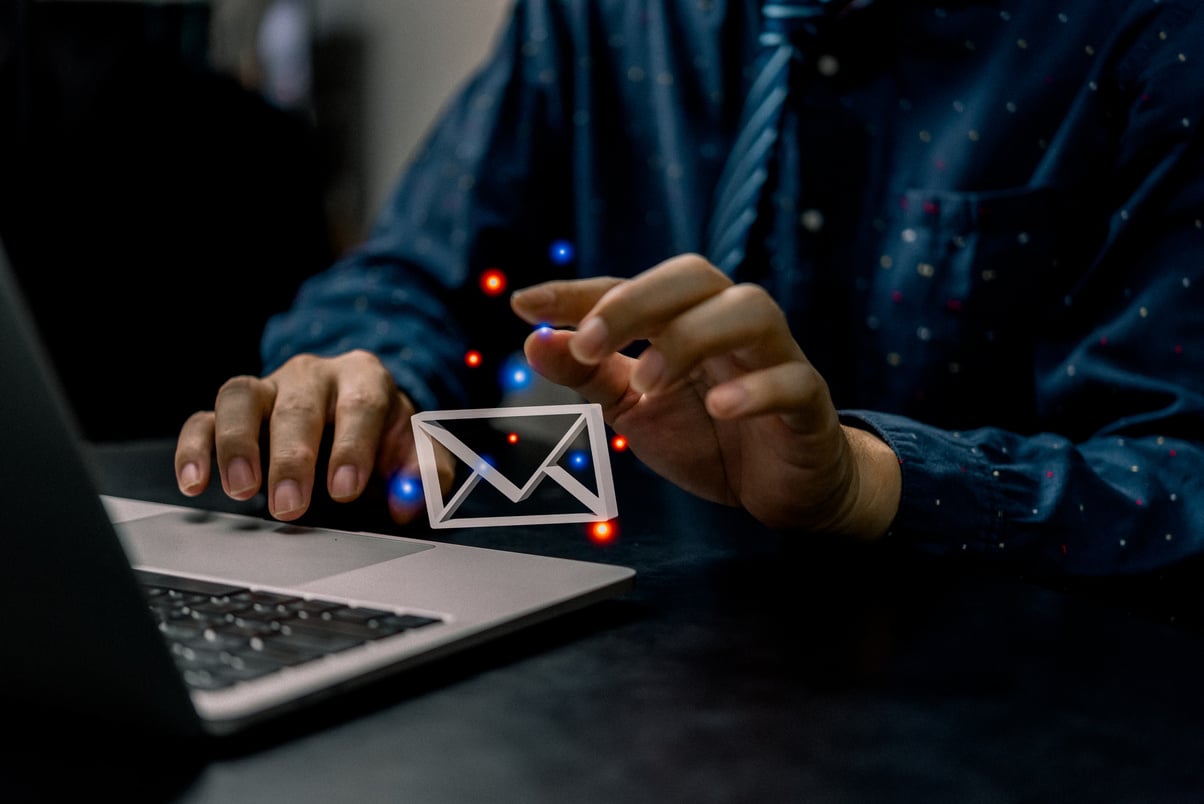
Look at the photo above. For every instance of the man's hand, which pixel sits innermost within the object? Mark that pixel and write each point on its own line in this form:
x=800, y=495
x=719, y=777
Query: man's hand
x=353, y=391
x=723, y=402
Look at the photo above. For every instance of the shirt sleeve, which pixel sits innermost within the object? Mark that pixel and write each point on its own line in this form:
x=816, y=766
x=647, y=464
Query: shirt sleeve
x=1111, y=481
x=484, y=192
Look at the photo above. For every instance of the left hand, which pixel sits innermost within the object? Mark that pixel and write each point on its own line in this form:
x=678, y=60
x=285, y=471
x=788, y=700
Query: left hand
x=723, y=402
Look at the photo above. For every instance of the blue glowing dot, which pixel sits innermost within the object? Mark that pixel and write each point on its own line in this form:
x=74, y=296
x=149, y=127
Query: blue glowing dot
x=561, y=252
x=578, y=460
x=516, y=374
x=406, y=488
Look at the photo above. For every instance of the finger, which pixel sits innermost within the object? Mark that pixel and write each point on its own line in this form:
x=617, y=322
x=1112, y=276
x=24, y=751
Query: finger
x=794, y=390
x=239, y=412
x=366, y=398
x=640, y=307
x=561, y=302
x=741, y=321
x=607, y=382
x=194, y=453
x=303, y=400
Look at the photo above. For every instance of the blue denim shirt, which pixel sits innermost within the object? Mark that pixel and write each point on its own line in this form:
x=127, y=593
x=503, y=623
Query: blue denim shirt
x=989, y=237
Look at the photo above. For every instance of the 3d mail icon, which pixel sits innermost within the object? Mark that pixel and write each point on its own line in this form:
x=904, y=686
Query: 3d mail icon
x=581, y=424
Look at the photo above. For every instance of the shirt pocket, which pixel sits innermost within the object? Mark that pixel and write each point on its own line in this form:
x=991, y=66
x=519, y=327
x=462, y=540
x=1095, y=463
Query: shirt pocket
x=963, y=282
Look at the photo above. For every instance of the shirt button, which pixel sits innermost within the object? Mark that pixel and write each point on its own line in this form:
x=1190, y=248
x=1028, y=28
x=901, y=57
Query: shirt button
x=812, y=220
x=827, y=65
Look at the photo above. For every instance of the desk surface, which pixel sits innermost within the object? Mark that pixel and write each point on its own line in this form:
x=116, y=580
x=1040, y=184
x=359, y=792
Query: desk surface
x=744, y=666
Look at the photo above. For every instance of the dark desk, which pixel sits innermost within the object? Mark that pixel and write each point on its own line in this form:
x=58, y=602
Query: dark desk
x=743, y=667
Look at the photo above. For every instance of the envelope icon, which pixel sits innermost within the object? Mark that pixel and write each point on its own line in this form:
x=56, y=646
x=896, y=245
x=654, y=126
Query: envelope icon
x=582, y=422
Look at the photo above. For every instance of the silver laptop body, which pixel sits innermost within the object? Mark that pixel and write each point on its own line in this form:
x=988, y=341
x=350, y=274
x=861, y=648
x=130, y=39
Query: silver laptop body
x=90, y=646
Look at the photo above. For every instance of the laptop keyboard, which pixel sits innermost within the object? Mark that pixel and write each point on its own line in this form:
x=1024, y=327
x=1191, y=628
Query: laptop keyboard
x=222, y=634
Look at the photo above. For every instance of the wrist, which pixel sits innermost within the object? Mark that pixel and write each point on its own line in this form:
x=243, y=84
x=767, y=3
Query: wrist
x=877, y=485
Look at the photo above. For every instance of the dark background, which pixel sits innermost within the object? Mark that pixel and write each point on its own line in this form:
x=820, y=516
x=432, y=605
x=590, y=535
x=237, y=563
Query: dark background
x=157, y=211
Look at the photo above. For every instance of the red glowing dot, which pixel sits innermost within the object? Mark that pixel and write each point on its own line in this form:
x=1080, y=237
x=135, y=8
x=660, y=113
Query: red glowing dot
x=512, y=438
x=473, y=358
x=1049, y=474
x=493, y=282
x=1173, y=453
x=602, y=532
x=619, y=443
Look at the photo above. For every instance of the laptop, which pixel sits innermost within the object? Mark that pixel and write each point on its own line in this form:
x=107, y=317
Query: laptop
x=180, y=622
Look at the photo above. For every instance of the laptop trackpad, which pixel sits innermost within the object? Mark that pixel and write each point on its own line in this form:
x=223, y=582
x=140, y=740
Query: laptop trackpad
x=253, y=551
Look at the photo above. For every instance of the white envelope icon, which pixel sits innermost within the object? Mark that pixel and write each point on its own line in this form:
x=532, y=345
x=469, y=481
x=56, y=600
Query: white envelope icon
x=599, y=505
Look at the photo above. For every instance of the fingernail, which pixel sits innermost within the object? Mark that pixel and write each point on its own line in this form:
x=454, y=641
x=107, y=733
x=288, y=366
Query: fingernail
x=345, y=483
x=727, y=400
x=190, y=478
x=587, y=342
x=287, y=498
x=648, y=371
x=239, y=476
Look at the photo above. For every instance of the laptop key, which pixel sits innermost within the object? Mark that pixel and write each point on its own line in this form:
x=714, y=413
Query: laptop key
x=221, y=635
x=182, y=584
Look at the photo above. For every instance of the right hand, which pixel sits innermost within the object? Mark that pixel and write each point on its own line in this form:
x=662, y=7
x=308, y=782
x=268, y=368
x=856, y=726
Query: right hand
x=354, y=391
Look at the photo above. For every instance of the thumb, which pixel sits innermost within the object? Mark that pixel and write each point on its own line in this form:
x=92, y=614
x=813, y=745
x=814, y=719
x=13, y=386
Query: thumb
x=607, y=382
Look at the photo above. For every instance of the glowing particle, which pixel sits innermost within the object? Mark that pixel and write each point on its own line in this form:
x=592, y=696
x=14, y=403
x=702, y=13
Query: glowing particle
x=512, y=438
x=618, y=443
x=405, y=488
x=561, y=252
x=602, y=532
x=515, y=374
x=472, y=358
x=493, y=282
x=579, y=460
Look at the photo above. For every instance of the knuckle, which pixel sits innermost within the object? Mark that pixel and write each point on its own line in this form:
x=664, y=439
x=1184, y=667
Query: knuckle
x=198, y=421
x=696, y=263
x=294, y=457
x=757, y=305
x=370, y=401
x=240, y=385
x=297, y=404
x=230, y=431
x=362, y=360
x=303, y=362
x=752, y=295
